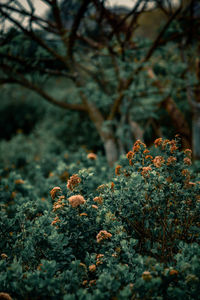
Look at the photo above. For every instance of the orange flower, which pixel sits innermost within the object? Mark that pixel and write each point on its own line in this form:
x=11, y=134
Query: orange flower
x=91, y=156
x=146, y=275
x=187, y=161
x=76, y=200
x=114, y=255
x=165, y=142
x=92, y=282
x=19, y=181
x=83, y=214
x=158, y=161
x=92, y=268
x=95, y=206
x=84, y=282
x=148, y=157
x=101, y=187
x=58, y=204
x=173, y=146
x=136, y=148
x=54, y=191
x=103, y=235
x=82, y=265
x=138, y=143
x=73, y=181
x=158, y=142
x=99, y=256
x=173, y=272
x=112, y=185
x=99, y=200
x=146, y=151
x=185, y=173
x=4, y=256
x=117, y=170
x=171, y=160
x=145, y=171
x=5, y=296
x=188, y=152
x=13, y=194
x=56, y=220
x=130, y=154
x=190, y=183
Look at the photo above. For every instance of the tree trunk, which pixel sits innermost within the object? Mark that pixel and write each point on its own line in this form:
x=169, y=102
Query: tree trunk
x=111, y=151
x=106, y=134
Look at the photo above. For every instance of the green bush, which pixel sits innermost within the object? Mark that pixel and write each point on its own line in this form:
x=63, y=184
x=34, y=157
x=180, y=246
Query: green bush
x=136, y=236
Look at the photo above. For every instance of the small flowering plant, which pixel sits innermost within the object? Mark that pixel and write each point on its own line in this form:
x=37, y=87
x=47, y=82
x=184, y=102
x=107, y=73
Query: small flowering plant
x=155, y=198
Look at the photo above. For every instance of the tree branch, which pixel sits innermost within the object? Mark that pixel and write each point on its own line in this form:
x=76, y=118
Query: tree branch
x=33, y=36
x=22, y=80
x=75, y=26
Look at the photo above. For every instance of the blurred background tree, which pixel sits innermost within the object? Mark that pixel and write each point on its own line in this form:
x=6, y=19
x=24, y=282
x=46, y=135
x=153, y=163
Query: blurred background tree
x=129, y=72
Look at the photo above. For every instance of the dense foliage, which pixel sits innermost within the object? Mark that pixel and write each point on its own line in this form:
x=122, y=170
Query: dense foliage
x=85, y=234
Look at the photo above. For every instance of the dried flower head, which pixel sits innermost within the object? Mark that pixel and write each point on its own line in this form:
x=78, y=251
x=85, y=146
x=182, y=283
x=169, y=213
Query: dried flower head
x=171, y=160
x=92, y=156
x=188, y=152
x=146, y=151
x=173, y=146
x=13, y=194
x=76, y=200
x=158, y=161
x=158, y=142
x=99, y=256
x=84, y=282
x=82, y=265
x=173, y=272
x=54, y=191
x=185, y=173
x=130, y=154
x=149, y=157
x=19, y=181
x=4, y=256
x=101, y=187
x=136, y=148
x=92, y=268
x=5, y=296
x=164, y=144
x=73, y=181
x=146, y=275
x=117, y=170
x=145, y=171
x=83, y=214
x=112, y=185
x=103, y=235
x=55, y=221
x=187, y=161
x=92, y=282
x=99, y=200
x=95, y=206
x=139, y=143
x=57, y=205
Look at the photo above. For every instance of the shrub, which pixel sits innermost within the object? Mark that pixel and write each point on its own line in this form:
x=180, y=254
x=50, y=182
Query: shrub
x=135, y=237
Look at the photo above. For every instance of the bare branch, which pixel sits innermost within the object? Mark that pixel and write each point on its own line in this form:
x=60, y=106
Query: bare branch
x=157, y=40
x=32, y=35
x=22, y=80
x=75, y=26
